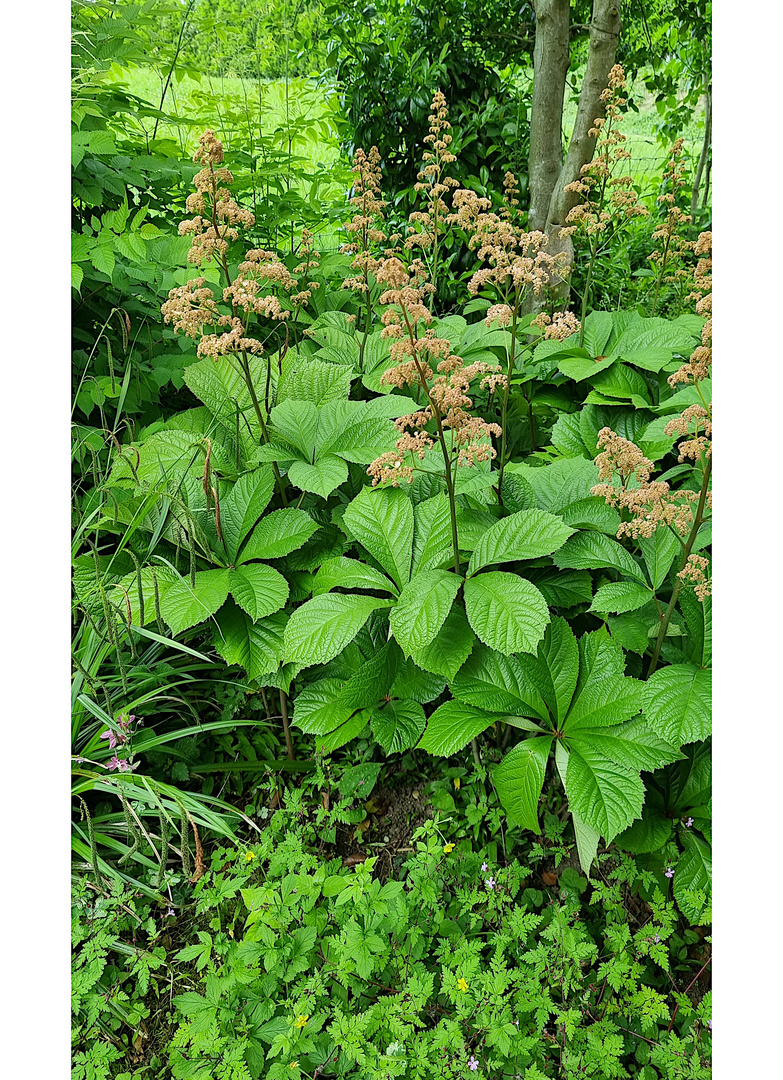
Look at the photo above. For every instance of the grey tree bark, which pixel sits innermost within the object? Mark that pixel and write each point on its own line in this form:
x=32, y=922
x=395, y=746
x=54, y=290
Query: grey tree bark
x=551, y=59
x=705, y=149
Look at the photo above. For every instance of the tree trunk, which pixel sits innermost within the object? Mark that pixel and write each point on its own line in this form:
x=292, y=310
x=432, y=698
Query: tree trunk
x=551, y=59
x=604, y=34
x=705, y=149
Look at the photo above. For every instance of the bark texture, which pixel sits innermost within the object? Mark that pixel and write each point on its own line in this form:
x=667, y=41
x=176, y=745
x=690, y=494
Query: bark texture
x=604, y=35
x=703, y=158
x=551, y=59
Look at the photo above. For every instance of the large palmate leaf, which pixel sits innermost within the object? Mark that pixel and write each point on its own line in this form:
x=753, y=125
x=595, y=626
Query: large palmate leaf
x=257, y=647
x=320, y=628
x=278, y=534
x=452, y=726
x=350, y=574
x=507, y=612
x=606, y=796
x=382, y=522
x=528, y=534
x=185, y=605
x=397, y=725
x=519, y=779
x=450, y=648
x=677, y=701
x=422, y=608
x=243, y=506
x=258, y=589
x=496, y=683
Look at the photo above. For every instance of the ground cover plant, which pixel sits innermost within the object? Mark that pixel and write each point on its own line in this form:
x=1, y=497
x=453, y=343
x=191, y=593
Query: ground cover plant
x=392, y=640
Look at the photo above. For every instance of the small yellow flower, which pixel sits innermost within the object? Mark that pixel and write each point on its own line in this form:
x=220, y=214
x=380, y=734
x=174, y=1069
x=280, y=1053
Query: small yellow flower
x=447, y=848
x=456, y=783
x=250, y=856
x=294, y=1065
x=462, y=985
x=302, y=1020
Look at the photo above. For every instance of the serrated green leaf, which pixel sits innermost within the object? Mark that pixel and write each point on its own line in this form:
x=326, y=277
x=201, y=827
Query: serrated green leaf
x=677, y=701
x=320, y=628
x=490, y=681
x=260, y=590
x=432, y=542
x=558, y=656
x=397, y=725
x=317, y=709
x=617, y=597
x=594, y=551
x=604, y=701
x=693, y=876
x=607, y=797
x=451, y=727
x=257, y=647
x=698, y=620
x=506, y=612
x=325, y=744
x=311, y=380
x=321, y=477
x=243, y=506
x=450, y=648
x=591, y=513
x=528, y=534
x=350, y=574
x=659, y=552
x=373, y=680
x=297, y=423
x=632, y=745
x=580, y=368
x=563, y=588
x=422, y=608
x=382, y=521
x=649, y=833
x=560, y=484
x=184, y=606
x=519, y=779
x=278, y=534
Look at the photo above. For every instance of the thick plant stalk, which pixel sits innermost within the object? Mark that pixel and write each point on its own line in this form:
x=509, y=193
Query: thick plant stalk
x=697, y=522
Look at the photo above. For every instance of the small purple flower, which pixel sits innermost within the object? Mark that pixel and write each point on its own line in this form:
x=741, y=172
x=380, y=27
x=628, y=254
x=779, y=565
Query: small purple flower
x=109, y=734
x=709, y=1025
x=669, y=873
x=490, y=883
x=484, y=868
x=121, y=764
x=688, y=823
x=657, y=939
x=473, y=1064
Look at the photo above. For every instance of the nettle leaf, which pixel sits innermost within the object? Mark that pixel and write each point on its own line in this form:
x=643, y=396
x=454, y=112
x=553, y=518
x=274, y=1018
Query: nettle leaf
x=184, y=606
x=452, y=726
x=397, y=725
x=450, y=648
x=659, y=552
x=350, y=574
x=243, y=506
x=432, y=542
x=502, y=684
x=594, y=551
x=422, y=608
x=606, y=796
x=519, y=779
x=677, y=701
x=693, y=879
x=382, y=522
x=257, y=647
x=507, y=612
x=321, y=477
x=528, y=534
x=278, y=534
x=257, y=588
x=320, y=628
x=617, y=597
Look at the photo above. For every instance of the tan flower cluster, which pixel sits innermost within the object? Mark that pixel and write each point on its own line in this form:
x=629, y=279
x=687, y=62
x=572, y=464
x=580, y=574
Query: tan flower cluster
x=699, y=445
x=190, y=307
x=516, y=260
x=364, y=226
x=701, y=358
x=675, y=246
x=649, y=505
x=510, y=196
x=432, y=179
x=310, y=261
x=558, y=326
x=607, y=197
x=232, y=341
x=499, y=313
x=405, y=289
x=217, y=214
x=695, y=572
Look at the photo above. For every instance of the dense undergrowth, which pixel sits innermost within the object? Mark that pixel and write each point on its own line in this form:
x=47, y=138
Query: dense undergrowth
x=392, y=639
